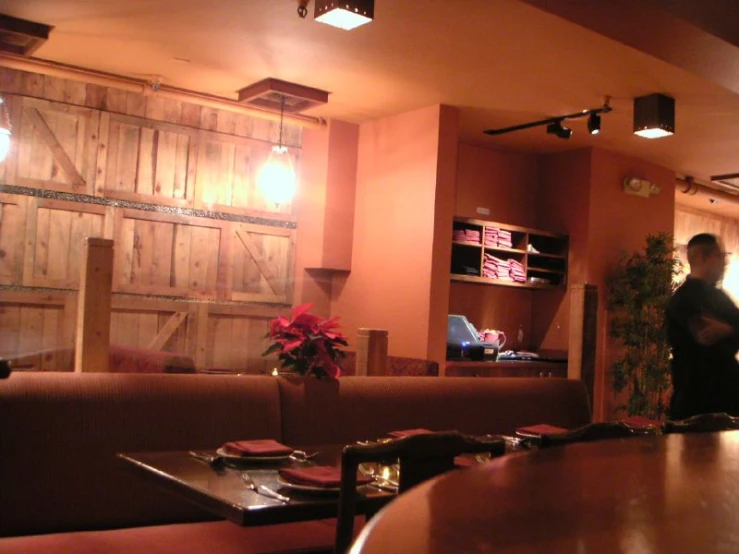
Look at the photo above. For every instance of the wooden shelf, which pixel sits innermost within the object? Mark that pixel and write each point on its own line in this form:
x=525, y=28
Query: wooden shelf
x=468, y=259
x=504, y=249
x=486, y=281
x=555, y=256
x=542, y=270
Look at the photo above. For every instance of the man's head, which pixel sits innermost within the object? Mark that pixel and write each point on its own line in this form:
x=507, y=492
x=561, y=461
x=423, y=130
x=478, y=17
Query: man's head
x=706, y=257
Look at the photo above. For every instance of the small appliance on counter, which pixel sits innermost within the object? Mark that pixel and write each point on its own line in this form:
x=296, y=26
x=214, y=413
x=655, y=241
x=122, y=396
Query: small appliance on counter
x=463, y=341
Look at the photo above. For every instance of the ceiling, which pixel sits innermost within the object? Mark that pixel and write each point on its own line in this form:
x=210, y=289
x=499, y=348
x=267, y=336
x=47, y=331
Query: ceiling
x=502, y=62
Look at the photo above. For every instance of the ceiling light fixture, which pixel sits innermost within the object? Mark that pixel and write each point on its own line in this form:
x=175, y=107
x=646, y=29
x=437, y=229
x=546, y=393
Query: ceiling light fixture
x=654, y=116
x=594, y=123
x=345, y=14
x=560, y=130
x=5, y=130
x=554, y=124
x=277, y=177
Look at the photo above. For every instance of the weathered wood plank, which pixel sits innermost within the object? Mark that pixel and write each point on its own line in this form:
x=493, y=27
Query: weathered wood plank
x=12, y=238
x=147, y=161
x=268, y=272
x=10, y=329
x=127, y=162
x=49, y=346
x=60, y=225
x=182, y=239
x=166, y=332
x=52, y=143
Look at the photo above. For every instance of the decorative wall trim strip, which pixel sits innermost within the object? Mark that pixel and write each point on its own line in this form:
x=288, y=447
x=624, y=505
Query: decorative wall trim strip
x=101, y=201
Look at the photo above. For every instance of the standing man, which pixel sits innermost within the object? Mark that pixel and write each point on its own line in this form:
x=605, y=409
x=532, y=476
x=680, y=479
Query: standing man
x=703, y=332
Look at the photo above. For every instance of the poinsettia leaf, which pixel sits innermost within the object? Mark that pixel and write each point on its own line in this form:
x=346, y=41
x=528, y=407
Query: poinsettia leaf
x=297, y=311
x=292, y=345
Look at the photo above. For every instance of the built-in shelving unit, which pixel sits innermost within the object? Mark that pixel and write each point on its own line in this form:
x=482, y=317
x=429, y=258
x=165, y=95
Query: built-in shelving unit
x=493, y=253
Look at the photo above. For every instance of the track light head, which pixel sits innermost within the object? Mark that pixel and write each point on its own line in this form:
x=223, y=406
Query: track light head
x=558, y=129
x=594, y=123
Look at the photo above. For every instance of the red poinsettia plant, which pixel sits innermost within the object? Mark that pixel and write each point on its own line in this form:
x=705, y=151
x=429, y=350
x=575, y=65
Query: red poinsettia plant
x=307, y=344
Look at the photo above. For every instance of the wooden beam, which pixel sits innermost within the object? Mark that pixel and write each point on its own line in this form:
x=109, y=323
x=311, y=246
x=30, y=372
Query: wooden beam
x=47, y=135
x=371, y=352
x=167, y=331
x=93, y=312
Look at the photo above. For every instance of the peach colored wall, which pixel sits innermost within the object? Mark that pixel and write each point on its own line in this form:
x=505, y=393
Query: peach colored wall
x=619, y=224
x=563, y=202
x=309, y=208
x=446, y=174
x=341, y=181
x=492, y=307
x=325, y=211
x=504, y=182
x=390, y=282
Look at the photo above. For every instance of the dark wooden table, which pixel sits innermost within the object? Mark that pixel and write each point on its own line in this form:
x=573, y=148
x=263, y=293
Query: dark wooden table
x=664, y=494
x=222, y=492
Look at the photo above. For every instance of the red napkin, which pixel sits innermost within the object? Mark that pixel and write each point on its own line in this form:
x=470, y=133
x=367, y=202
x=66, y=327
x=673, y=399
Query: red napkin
x=640, y=422
x=262, y=447
x=317, y=476
x=409, y=433
x=542, y=429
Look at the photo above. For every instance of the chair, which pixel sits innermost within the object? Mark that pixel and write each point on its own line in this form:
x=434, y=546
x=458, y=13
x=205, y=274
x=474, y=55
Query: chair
x=420, y=457
x=702, y=423
x=597, y=431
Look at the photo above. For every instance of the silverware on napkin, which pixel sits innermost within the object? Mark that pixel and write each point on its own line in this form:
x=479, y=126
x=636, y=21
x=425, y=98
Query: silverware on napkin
x=261, y=489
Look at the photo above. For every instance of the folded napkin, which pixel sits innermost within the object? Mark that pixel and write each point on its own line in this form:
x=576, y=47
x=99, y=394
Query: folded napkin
x=262, y=447
x=542, y=429
x=640, y=422
x=409, y=433
x=317, y=476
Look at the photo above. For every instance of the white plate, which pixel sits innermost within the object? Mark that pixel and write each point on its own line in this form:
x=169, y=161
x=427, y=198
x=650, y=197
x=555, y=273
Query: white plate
x=233, y=458
x=307, y=488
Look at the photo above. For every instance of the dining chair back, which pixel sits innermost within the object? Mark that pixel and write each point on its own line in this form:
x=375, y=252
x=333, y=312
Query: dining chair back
x=597, y=431
x=420, y=457
x=702, y=423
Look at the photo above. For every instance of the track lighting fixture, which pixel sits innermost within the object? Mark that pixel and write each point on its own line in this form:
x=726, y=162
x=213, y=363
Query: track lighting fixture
x=594, y=123
x=554, y=124
x=560, y=130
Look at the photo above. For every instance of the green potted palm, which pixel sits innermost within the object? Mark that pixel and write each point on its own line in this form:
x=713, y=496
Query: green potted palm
x=638, y=292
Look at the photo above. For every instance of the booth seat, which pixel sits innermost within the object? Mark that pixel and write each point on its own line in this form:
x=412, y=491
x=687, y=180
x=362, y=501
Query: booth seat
x=63, y=490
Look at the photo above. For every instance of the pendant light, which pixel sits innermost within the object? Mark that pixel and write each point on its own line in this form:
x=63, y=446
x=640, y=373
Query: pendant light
x=277, y=177
x=5, y=130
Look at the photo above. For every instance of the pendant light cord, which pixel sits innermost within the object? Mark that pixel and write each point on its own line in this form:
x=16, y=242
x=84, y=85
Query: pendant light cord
x=282, y=113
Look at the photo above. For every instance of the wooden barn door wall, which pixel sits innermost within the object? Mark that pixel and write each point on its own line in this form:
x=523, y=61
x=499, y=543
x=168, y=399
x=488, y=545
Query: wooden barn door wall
x=202, y=260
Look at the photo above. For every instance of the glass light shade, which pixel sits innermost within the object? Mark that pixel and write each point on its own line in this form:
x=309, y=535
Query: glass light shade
x=343, y=19
x=4, y=143
x=277, y=178
x=653, y=133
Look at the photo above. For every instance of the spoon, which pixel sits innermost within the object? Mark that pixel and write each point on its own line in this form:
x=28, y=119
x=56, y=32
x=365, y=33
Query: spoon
x=210, y=459
x=302, y=456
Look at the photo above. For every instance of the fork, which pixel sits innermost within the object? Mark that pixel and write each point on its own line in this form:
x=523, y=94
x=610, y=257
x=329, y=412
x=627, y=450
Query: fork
x=261, y=489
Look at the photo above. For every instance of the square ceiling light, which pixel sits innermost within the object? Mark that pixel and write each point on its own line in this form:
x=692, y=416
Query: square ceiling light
x=345, y=14
x=654, y=116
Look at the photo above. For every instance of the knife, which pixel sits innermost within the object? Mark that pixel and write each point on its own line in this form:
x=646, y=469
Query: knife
x=261, y=489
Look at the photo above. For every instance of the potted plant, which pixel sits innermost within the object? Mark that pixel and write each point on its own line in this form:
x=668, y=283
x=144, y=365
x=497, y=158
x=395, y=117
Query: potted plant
x=306, y=344
x=638, y=292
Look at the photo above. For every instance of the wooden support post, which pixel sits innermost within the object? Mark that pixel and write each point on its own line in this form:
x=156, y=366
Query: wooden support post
x=583, y=329
x=93, y=311
x=371, y=352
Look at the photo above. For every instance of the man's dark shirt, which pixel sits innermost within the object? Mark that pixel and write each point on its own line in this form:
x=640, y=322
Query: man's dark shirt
x=705, y=379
